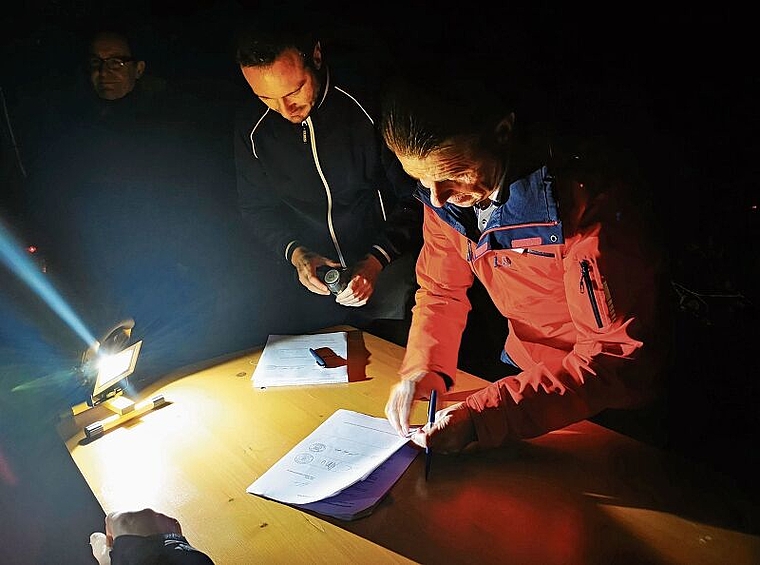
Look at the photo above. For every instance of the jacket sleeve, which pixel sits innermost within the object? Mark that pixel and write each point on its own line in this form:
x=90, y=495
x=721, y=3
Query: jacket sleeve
x=441, y=303
x=261, y=210
x=161, y=549
x=403, y=212
x=616, y=299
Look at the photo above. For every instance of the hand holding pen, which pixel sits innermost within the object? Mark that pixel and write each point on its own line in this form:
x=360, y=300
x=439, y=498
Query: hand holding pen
x=451, y=431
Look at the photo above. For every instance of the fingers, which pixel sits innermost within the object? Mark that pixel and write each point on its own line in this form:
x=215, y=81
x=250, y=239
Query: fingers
x=452, y=431
x=357, y=292
x=312, y=282
x=146, y=522
x=306, y=263
x=399, y=406
x=307, y=276
x=362, y=284
x=101, y=549
x=420, y=437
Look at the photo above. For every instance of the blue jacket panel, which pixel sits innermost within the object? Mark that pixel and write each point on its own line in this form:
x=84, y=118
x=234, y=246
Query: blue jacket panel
x=530, y=214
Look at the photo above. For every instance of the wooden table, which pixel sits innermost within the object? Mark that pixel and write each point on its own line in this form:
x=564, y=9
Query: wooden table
x=582, y=495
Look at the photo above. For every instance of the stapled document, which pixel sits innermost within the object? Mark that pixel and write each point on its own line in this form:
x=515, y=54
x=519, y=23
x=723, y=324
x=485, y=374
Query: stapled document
x=342, y=469
x=286, y=360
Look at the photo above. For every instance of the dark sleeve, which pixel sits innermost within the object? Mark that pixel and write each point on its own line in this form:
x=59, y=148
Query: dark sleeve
x=261, y=210
x=403, y=212
x=162, y=549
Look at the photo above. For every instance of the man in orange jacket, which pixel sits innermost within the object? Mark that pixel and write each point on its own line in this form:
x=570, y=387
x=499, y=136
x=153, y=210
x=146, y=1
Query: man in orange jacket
x=563, y=257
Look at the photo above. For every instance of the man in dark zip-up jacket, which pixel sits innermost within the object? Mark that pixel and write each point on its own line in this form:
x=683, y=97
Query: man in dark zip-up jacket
x=316, y=184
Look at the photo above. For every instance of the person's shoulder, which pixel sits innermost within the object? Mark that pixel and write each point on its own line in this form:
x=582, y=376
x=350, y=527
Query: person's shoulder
x=154, y=85
x=248, y=113
x=358, y=88
x=155, y=96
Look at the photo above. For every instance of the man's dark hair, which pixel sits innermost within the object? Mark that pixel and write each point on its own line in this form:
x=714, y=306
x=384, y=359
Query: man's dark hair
x=111, y=33
x=136, y=37
x=267, y=35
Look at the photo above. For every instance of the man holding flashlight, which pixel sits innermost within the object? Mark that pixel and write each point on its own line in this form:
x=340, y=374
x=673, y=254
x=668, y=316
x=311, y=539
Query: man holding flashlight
x=316, y=184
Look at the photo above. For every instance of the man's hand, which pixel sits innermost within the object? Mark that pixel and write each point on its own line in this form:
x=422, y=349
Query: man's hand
x=145, y=522
x=306, y=263
x=399, y=404
x=362, y=283
x=452, y=431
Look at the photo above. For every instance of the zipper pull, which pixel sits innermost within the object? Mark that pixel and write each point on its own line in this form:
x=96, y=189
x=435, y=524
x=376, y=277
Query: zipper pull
x=303, y=124
x=586, y=281
x=585, y=276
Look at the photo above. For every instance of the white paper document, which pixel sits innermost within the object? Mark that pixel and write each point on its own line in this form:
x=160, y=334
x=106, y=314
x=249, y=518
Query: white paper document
x=286, y=360
x=360, y=499
x=344, y=450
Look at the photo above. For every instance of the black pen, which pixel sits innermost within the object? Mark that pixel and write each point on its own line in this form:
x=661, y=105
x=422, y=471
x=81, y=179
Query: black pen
x=431, y=420
x=317, y=357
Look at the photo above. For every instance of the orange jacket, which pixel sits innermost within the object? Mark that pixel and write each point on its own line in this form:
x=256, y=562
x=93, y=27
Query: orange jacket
x=580, y=292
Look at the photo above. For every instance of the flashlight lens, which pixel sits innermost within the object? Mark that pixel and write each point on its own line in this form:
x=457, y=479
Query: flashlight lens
x=333, y=281
x=332, y=276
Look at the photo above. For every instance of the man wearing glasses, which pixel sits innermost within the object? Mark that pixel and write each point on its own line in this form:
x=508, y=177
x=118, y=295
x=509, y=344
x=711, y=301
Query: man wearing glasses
x=114, y=72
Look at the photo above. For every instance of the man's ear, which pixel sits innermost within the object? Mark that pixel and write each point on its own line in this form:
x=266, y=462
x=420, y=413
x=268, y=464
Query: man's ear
x=316, y=56
x=139, y=68
x=504, y=128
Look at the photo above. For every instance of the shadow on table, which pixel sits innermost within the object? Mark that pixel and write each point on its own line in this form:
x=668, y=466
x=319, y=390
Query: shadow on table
x=569, y=497
x=358, y=357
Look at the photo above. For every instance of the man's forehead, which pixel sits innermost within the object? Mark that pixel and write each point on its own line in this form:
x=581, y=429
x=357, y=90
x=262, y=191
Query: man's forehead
x=109, y=46
x=442, y=163
x=283, y=77
x=417, y=167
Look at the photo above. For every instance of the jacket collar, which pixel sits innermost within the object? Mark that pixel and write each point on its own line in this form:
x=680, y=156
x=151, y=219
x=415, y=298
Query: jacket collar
x=530, y=201
x=325, y=87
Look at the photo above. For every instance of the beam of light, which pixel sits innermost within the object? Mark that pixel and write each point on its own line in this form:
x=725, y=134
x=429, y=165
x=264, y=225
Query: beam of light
x=61, y=377
x=24, y=268
x=6, y=471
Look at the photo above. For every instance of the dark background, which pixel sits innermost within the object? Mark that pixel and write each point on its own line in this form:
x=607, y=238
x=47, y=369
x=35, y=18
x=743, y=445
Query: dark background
x=677, y=88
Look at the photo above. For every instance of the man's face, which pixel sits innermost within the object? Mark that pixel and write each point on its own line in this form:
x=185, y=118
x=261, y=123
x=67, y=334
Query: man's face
x=110, y=79
x=287, y=86
x=454, y=173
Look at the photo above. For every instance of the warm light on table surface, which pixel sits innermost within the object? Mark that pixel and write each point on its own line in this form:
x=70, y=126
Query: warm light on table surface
x=582, y=495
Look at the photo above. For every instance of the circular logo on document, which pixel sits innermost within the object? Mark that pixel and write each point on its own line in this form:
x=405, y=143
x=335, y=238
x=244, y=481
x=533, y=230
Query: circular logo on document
x=304, y=458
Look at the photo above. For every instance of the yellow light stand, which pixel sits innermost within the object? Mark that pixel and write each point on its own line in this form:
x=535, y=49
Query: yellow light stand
x=113, y=362
x=123, y=409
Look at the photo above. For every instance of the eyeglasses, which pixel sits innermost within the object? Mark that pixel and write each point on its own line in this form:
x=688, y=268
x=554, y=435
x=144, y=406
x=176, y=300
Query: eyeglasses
x=110, y=63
